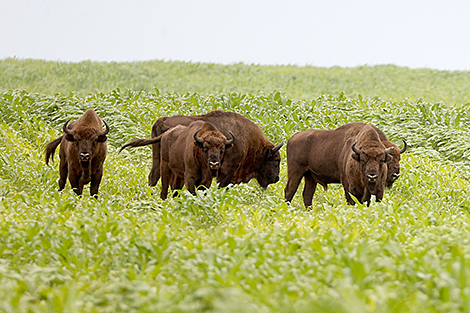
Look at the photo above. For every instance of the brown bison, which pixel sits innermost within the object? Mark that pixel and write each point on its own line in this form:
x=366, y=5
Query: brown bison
x=353, y=155
x=393, y=172
x=191, y=154
x=252, y=156
x=82, y=152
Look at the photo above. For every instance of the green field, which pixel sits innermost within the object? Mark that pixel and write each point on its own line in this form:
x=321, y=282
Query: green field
x=238, y=249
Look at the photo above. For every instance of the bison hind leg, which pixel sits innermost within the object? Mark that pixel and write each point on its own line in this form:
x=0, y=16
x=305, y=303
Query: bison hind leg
x=154, y=175
x=309, y=189
x=63, y=173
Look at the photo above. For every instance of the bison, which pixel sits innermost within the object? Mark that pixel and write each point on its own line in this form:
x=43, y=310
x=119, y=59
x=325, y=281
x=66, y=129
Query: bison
x=252, y=156
x=393, y=172
x=353, y=155
x=191, y=154
x=82, y=152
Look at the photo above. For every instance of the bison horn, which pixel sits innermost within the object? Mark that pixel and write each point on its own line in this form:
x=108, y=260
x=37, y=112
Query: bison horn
x=358, y=151
x=106, y=131
x=404, y=147
x=276, y=148
x=388, y=150
x=196, y=137
x=66, y=130
x=230, y=141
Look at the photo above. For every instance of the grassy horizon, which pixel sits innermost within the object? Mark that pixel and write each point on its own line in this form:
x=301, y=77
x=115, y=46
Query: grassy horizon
x=389, y=82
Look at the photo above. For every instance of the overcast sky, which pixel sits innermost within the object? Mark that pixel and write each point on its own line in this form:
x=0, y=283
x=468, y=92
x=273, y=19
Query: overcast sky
x=413, y=33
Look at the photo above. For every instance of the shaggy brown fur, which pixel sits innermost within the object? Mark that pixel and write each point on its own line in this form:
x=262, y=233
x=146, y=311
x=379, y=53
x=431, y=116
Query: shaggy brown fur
x=190, y=154
x=326, y=157
x=252, y=156
x=82, y=152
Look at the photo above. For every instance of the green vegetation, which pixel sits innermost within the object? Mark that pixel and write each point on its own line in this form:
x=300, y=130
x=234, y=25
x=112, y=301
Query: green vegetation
x=389, y=82
x=239, y=249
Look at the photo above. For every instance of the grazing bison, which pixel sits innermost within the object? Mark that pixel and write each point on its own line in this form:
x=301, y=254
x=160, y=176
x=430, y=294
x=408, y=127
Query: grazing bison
x=191, y=154
x=353, y=155
x=252, y=155
x=82, y=152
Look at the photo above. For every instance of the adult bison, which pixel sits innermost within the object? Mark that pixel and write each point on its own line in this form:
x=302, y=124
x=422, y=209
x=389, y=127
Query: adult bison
x=353, y=155
x=393, y=172
x=191, y=154
x=82, y=152
x=252, y=155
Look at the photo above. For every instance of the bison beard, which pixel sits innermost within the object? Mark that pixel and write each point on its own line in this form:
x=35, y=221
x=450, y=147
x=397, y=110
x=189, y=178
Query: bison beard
x=82, y=152
x=252, y=156
x=327, y=157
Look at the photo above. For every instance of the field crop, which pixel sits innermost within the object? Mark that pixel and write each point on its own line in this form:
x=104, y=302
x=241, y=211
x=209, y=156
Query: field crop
x=389, y=82
x=237, y=249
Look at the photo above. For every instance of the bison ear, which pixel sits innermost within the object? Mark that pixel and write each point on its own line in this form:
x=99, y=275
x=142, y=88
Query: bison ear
x=69, y=137
x=388, y=157
x=356, y=157
x=230, y=145
x=102, y=138
x=198, y=144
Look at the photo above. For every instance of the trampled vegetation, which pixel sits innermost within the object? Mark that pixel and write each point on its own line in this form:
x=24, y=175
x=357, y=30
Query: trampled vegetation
x=239, y=249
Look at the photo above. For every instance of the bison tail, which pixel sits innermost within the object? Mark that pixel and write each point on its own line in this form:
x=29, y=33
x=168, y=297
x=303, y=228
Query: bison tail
x=50, y=148
x=141, y=142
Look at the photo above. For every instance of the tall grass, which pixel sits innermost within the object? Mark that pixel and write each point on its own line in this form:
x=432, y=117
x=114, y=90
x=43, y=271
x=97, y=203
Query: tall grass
x=238, y=249
x=389, y=82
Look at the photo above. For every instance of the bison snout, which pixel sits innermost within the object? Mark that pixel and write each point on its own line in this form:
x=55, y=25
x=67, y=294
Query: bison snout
x=84, y=156
x=372, y=178
x=214, y=165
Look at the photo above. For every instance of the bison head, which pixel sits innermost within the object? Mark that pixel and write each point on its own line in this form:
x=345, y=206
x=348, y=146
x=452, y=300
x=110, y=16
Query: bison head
x=394, y=164
x=373, y=163
x=85, y=140
x=268, y=172
x=213, y=145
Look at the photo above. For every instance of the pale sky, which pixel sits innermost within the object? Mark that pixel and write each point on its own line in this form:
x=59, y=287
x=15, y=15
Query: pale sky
x=431, y=34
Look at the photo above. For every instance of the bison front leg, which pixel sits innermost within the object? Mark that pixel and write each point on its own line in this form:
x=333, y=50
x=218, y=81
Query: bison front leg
x=309, y=189
x=95, y=182
x=380, y=195
x=190, y=180
x=349, y=199
x=293, y=181
x=177, y=184
x=224, y=180
x=205, y=182
x=74, y=178
x=227, y=172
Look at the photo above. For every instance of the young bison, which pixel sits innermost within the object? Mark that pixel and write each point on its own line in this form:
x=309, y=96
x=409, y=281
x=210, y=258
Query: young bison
x=82, y=152
x=190, y=155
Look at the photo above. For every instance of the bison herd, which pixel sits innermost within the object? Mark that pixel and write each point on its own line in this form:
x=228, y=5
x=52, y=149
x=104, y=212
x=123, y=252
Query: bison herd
x=192, y=150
